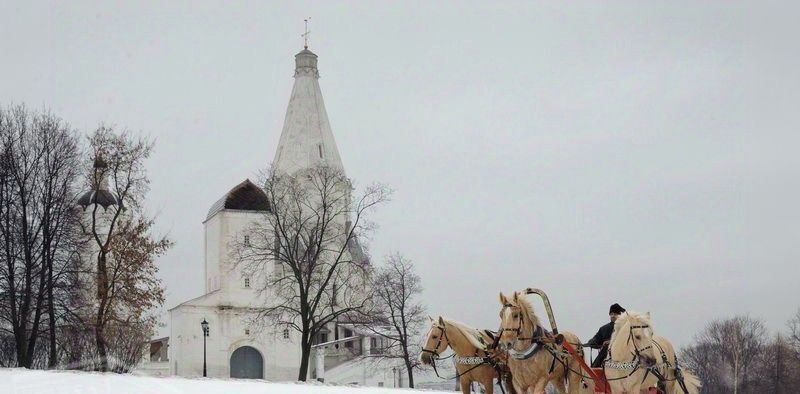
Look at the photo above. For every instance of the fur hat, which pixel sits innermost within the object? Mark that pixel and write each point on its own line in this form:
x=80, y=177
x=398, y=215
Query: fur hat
x=616, y=309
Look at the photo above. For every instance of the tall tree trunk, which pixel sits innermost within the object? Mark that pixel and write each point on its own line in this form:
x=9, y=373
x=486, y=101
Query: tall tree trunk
x=410, y=371
x=37, y=315
x=101, y=348
x=22, y=339
x=102, y=298
x=305, y=355
x=48, y=255
x=51, y=316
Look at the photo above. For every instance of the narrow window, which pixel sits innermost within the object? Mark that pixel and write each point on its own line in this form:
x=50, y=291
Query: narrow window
x=319, y=147
x=285, y=333
x=334, y=295
x=247, y=282
x=348, y=334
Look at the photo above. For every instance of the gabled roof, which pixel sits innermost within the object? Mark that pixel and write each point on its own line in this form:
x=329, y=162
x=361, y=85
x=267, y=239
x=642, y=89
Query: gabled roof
x=245, y=196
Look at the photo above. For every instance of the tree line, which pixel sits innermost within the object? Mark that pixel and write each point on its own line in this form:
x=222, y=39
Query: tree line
x=78, y=286
x=77, y=250
x=738, y=355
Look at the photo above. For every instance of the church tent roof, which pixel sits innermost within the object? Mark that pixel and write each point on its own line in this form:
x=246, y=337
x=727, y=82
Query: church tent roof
x=306, y=139
x=245, y=196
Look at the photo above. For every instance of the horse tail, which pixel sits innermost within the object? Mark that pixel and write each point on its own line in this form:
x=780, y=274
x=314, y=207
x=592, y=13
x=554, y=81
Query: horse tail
x=692, y=382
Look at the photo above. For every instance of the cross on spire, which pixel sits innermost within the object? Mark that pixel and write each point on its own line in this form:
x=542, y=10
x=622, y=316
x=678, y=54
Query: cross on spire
x=306, y=34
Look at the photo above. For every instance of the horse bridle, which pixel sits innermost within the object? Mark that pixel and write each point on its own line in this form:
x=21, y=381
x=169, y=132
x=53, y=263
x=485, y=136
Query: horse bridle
x=637, y=352
x=517, y=330
x=630, y=339
x=442, y=335
x=638, y=357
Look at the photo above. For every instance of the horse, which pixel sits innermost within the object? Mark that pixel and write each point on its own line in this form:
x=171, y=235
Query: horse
x=534, y=358
x=638, y=360
x=473, y=362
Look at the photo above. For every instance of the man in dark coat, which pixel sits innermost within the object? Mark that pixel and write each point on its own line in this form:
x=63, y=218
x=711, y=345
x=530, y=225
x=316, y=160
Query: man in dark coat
x=603, y=336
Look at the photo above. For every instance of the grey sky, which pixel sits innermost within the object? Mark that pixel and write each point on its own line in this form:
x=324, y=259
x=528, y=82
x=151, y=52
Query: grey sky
x=625, y=152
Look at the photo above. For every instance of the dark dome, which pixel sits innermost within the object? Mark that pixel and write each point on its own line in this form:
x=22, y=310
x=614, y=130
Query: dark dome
x=245, y=196
x=103, y=197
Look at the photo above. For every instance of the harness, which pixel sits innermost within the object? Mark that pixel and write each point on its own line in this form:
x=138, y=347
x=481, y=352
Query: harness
x=475, y=361
x=537, y=342
x=635, y=363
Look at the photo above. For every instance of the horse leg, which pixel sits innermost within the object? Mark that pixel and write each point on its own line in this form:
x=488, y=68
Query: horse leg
x=540, y=386
x=560, y=387
x=466, y=385
x=575, y=383
x=510, y=388
x=673, y=386
x=519, y=387
x=488, y=385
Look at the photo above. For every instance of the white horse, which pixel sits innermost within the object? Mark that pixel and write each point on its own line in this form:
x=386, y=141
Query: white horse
x=637, y=359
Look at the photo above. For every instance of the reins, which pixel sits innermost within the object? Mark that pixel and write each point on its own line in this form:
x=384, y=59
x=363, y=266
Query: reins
x=635, y=364
x=484, y=360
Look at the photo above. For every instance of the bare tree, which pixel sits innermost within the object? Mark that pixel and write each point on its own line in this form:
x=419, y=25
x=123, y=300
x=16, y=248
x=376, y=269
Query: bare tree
x=727, y=352
x=794, y=331
x=704, y=360
x=397, y=313
x=777, y=369
x=124, y=249
x=309, y=243
x=38, y=168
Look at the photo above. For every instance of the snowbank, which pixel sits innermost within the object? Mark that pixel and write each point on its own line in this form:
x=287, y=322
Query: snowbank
x=23, y=381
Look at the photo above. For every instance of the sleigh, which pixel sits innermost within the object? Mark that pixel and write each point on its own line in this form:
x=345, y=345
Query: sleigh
x=597, y=375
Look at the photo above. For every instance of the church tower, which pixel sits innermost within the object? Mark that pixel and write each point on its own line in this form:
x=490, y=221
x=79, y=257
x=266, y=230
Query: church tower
x=306, y=139
x=235, y=349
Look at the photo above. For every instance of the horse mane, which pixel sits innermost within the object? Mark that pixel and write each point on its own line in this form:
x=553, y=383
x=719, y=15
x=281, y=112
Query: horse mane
x=473, y=335
x=631, y=316
x=527, y=308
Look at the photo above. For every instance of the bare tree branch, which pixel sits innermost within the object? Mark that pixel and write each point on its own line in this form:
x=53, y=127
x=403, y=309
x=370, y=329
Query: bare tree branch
x=306, y=252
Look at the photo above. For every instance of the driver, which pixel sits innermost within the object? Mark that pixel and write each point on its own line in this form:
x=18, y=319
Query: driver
x=603, y=336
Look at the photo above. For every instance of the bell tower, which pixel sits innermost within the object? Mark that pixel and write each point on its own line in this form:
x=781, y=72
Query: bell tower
x=306, y=139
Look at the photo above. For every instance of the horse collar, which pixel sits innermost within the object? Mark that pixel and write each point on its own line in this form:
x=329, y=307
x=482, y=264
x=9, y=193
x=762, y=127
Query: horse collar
x=535, y=346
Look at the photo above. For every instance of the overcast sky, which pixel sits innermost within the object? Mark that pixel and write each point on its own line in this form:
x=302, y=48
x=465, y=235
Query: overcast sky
x=645, y=154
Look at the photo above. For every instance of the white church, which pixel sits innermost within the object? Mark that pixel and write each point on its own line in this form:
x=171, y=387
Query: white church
x=233, y=349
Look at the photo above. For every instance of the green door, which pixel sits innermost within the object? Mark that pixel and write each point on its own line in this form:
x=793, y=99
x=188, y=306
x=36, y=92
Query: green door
x=247, y=363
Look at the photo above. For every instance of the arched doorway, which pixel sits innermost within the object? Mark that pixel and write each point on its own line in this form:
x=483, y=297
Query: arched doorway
x=247, y=363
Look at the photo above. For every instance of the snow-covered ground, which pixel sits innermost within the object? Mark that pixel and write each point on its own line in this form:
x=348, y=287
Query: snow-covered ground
x=23, y=381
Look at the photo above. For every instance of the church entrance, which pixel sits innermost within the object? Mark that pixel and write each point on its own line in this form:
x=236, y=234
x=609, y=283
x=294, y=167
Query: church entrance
x=247, y=363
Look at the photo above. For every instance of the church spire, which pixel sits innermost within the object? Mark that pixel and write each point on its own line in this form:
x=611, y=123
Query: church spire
x=306, y=140
x=306, y=34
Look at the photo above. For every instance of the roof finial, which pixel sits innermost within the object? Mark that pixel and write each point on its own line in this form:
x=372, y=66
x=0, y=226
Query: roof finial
x=306, y=34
